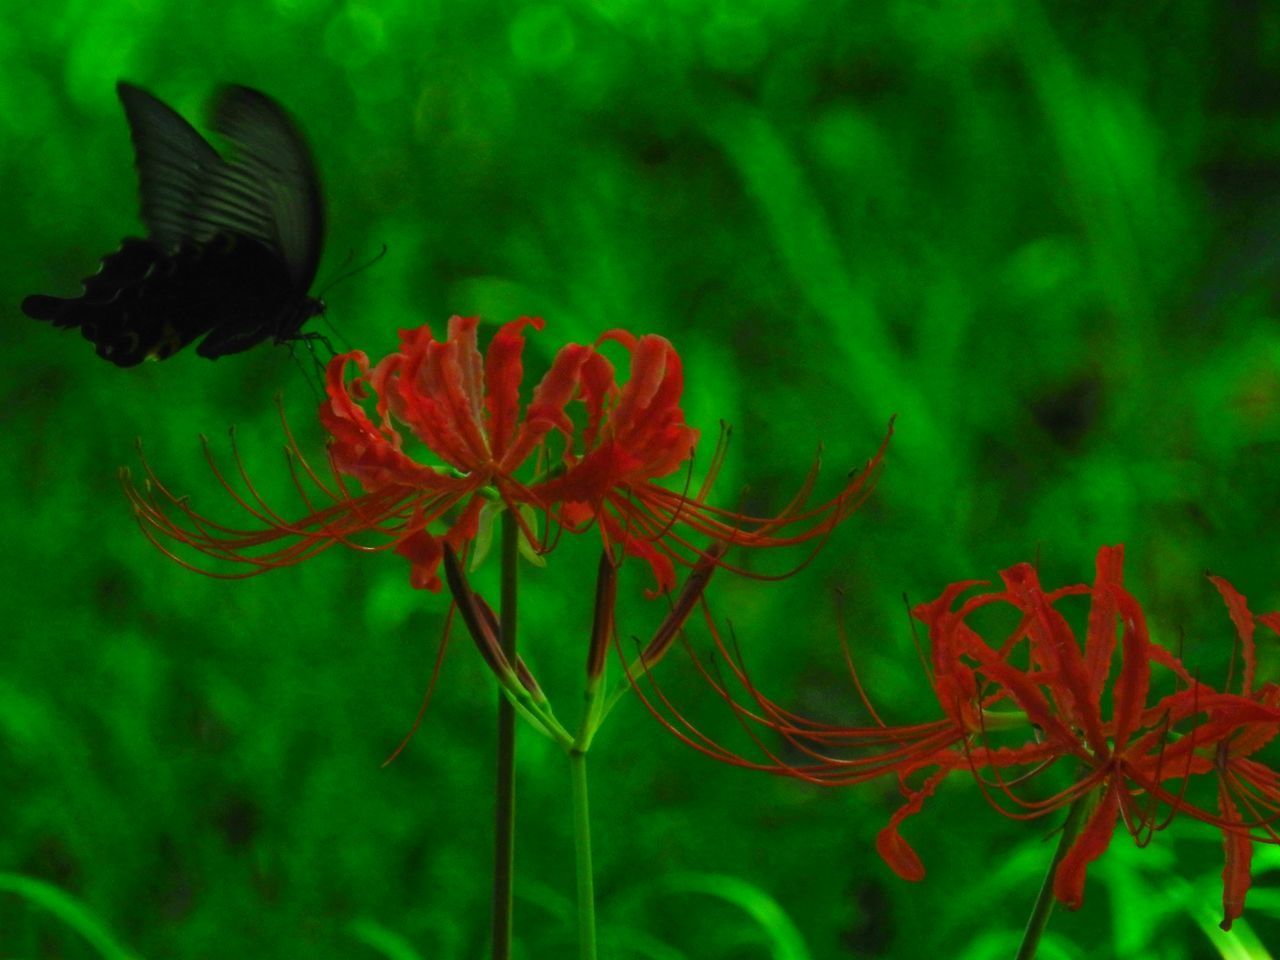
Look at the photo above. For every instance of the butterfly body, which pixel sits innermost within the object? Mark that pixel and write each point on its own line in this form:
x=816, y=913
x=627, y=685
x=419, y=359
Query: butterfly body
x=233, y=243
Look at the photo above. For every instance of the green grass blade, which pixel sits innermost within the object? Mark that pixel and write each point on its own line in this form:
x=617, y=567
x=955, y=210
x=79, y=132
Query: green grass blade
x=784, y=939
x=387, y=942
x=67, y=909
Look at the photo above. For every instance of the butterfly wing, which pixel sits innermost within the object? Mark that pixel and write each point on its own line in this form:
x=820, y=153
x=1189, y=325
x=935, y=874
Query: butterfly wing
x=272, y=177
x=175, y=167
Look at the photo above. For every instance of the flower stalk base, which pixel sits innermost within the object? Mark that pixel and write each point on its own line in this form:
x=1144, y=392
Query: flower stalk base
x=582, y=856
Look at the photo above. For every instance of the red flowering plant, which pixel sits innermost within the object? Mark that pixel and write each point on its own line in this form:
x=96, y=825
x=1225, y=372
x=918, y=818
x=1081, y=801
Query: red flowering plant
x=1043, y=721
x=583, y=451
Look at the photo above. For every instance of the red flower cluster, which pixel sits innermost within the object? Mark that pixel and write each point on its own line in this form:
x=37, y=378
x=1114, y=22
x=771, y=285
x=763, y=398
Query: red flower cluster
x=465, y=408
x=584, y=450
x=1133, y=757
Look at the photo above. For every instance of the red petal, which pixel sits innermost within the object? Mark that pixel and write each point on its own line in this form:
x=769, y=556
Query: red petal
x=504, y=370
x=1100, y=642
x=462, y=333
x=599, y=388
x=1054, y=647
x=1129, y=696
x=1068, y=880
x=929, y=613
x=1243, y=620
x=1239, y=858
x=460, y=388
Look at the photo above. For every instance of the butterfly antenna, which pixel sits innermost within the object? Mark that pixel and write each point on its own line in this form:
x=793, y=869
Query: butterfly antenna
x=348, y=274
x=344, y=275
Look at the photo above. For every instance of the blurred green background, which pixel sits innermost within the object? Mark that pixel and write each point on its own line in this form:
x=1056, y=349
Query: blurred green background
x=1044, y=235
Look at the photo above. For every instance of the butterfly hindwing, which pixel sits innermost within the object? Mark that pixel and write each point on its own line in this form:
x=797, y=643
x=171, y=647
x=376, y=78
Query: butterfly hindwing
x=233, y=243
x=133, y=308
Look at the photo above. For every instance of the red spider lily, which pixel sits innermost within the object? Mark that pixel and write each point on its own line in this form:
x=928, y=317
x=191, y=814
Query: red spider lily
x=1132, y=757
x=613, y=440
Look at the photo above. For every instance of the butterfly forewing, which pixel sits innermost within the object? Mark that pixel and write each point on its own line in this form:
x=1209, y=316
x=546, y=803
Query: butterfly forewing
x=175, y=164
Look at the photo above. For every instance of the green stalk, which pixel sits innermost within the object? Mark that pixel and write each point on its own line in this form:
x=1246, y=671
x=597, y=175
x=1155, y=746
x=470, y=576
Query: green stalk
x=1039, y=918
x=504, y=827
x=582, y=854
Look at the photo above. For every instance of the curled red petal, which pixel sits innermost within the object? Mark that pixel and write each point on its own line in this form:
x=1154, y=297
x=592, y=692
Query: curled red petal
x=546, y=409
x=424, y=551
x=899, y=855
x=648, y=421
x=358, y=447
x=664, y=573
x=895, y=851
x=599, y=390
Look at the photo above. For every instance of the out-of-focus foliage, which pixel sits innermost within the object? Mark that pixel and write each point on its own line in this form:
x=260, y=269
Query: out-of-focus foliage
x=1046, y=235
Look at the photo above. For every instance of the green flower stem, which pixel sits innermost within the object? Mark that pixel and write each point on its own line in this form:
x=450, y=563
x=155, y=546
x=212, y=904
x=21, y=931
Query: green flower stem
x=504, y=828
x=591, y=717
x=582, y=852
x=1039, y=918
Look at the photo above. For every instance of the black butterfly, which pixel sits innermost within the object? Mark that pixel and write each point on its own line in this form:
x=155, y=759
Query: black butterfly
x=233, y=243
